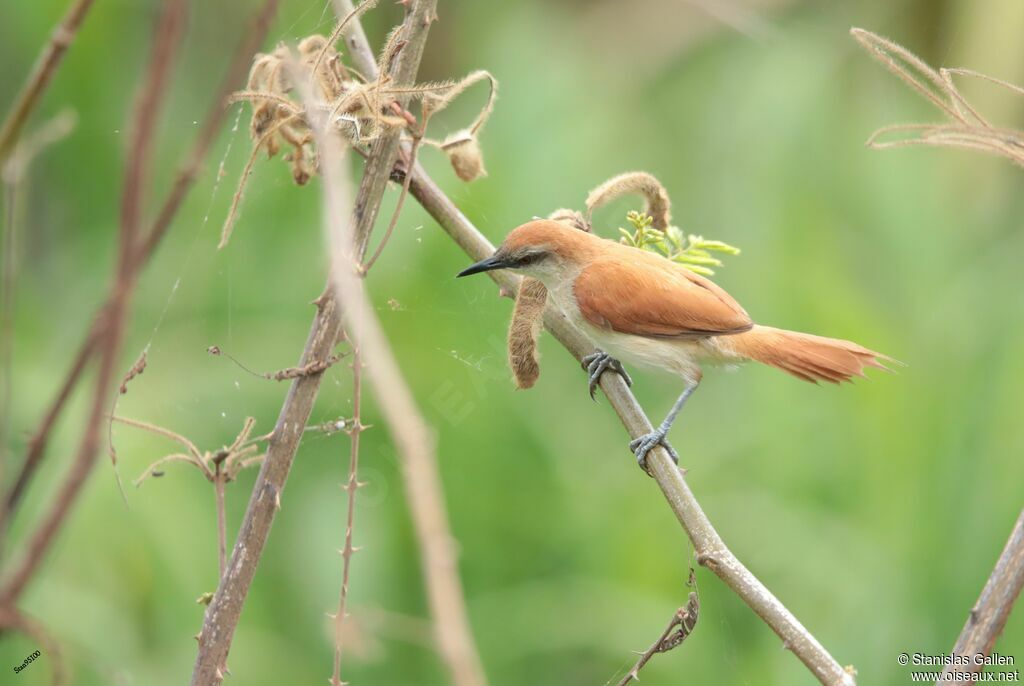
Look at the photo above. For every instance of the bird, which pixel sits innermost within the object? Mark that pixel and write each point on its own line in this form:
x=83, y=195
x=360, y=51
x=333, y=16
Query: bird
x=639, y=306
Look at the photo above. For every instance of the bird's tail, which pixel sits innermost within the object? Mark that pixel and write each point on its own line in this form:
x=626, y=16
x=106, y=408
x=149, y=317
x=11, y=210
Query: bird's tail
x=805, y=356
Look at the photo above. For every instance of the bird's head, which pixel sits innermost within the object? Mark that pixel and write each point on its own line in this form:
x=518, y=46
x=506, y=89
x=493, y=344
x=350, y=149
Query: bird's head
x=543, y=249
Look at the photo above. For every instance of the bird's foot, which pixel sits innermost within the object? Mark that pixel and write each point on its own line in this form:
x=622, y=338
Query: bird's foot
x=597, y=363
x=643, y=445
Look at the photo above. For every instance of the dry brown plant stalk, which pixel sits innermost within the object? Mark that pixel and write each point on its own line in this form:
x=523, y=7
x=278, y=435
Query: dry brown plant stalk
x=967, y=127
x=183, y=182
x=989, y=615
x=355, y=428
x=153, y=87
x=409, y=431
x=42, y=73
x=223, y=613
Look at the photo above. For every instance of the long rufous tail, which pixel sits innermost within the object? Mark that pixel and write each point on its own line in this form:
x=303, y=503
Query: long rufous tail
x=805, y=356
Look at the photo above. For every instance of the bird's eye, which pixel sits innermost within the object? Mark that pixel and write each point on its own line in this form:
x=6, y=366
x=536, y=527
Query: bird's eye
x=530, y=258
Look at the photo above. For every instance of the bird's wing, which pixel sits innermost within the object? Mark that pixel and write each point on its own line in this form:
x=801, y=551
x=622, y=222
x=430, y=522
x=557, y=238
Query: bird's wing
x=644, y=297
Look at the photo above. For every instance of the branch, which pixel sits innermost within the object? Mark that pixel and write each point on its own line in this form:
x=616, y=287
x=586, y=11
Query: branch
x=685, y=618
x=46, y=66
x=224, y=610
x=988, y=616
x=167, y=33
x=235, y=74
x=710, y=548
x=350, y=488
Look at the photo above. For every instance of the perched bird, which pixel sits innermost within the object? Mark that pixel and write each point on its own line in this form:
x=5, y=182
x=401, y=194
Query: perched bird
x=639, y=306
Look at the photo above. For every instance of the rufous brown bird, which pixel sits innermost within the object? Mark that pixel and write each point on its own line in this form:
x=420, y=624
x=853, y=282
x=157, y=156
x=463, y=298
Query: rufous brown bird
x=641, y=307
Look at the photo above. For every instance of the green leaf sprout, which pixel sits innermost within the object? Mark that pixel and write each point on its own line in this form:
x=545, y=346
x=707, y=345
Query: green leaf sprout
x=693, y=252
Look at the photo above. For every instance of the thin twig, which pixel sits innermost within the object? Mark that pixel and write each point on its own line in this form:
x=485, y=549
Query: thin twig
x=350, y=516
x=968, y=129
x=184, y=181
x=167, y=33
x=988, y=616
x=410, y=432
x=46, y=66
x=679, y=628
x=222, y=615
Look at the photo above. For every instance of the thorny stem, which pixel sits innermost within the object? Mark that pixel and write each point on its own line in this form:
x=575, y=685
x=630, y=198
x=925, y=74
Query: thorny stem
x=988, y=616
x=452, y=633
x=46, y=66
x=154, y=81
x=678, y=618
x=182, y=184
x=350, y=489
x=223, y=613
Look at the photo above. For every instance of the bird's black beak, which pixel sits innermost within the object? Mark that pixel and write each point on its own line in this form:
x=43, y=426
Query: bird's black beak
x=495, y=261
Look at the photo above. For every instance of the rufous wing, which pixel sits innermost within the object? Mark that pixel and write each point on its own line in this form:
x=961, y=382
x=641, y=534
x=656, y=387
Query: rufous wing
x=644, y=297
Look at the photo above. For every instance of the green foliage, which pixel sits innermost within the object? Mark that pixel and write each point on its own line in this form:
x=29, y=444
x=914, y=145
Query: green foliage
x=693, y=252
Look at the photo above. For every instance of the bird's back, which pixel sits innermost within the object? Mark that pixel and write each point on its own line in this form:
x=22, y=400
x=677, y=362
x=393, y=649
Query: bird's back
x=632, y=291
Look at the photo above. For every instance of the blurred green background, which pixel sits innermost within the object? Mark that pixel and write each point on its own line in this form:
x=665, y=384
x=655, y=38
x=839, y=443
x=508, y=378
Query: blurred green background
x=875, y=512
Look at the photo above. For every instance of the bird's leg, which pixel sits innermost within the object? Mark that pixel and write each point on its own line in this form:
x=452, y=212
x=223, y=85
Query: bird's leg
x=596, y=363
x=642, y=445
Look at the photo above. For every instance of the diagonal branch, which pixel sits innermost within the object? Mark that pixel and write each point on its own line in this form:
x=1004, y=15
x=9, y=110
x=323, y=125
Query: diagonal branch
x=711, y=549
x=43, y=71
x=224, y=610
x=988, y=616
x=186, y=177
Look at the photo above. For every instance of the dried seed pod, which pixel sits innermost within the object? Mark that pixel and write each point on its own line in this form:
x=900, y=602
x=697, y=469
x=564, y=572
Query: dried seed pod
x=523, y=332
x=658, y=205
x=528, y=314
x=464, y=153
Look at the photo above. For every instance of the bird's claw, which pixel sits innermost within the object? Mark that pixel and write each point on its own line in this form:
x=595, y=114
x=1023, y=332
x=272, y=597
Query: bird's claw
x=643, y=445
x=597, y=363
